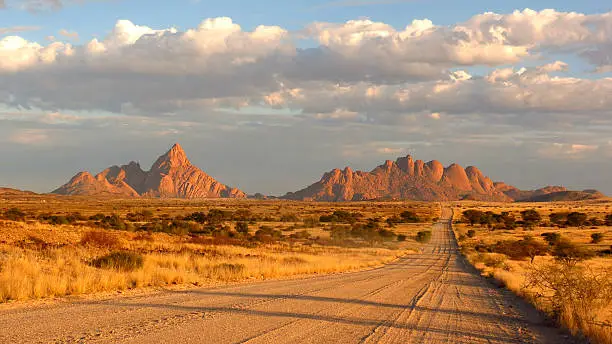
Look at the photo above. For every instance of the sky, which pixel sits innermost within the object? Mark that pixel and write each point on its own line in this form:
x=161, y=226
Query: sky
x=268, y=95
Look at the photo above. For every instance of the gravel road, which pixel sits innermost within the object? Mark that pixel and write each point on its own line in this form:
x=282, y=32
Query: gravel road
x=431, y=297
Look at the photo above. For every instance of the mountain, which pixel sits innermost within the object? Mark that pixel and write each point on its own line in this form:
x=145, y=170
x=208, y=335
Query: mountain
x=171, y=176
x=413, y=180
x=564, y=196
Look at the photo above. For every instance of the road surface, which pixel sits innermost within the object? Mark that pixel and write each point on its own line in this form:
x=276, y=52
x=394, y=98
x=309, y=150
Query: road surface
x=431, y=297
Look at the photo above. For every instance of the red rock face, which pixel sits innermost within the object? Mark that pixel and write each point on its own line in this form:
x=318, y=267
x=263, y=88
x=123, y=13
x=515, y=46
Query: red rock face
x=171, y=176
x=413, y=180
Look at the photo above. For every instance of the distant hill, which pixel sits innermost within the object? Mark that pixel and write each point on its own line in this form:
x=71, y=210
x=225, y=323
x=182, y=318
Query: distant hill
x=15, y=192
x=566, y=196
x=171, y=176
x=414, y=180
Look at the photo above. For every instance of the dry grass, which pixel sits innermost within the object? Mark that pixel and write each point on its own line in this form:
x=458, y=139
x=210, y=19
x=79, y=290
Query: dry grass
x=41, y=260
x=28, y=274
x=595, y=323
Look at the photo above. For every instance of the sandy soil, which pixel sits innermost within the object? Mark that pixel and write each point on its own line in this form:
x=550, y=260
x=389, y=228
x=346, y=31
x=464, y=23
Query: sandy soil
x=431, y=297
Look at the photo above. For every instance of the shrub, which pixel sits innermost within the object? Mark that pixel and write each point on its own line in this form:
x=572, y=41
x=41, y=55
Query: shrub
x=608, y=220
x=471, y=233
x=14, y=214
x=569, y=253
x=120, y=260
x=401, y=237
x=472, y=216
x=531, y=217
x=423, y=236
x=576, y=219
x=574, y=294
x=100, y=239
x=409, y=217
x=521, y=249
x=242, y=227
x=551, y=238
x=596, y=238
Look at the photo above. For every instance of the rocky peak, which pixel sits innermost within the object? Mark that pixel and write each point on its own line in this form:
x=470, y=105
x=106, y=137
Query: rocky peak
x=406, y=164
x=172, y=175
x=175, y=157
x=82, y=177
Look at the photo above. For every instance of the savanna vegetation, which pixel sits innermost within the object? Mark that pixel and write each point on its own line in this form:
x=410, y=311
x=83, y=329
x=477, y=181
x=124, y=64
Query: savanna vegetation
x=56, y=246
x=556, y=255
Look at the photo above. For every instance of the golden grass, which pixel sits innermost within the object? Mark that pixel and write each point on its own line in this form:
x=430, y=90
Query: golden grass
x=513, y=273
x=60, y=266
x=27, y=274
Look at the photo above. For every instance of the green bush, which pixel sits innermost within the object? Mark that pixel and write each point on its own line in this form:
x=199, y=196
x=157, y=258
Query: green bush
x=120, y=260
x=423, y=237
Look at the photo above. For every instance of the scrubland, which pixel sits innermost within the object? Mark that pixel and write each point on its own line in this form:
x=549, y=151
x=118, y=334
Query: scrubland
x=556, y=255
x=58, y=246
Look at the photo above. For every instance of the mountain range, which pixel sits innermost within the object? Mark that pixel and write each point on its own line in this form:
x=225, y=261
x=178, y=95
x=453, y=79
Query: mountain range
x=406, y=178
x=171, y=176
x=174, y=176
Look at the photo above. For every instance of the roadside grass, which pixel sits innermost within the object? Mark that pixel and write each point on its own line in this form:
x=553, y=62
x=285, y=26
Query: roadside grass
x=574, y=293
x=29, y=274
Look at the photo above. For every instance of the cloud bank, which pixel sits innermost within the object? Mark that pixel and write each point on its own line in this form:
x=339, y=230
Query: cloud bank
x=493, y=79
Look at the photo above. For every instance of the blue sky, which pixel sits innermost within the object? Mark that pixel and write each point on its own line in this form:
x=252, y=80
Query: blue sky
x=95, y=18
x=531, y=86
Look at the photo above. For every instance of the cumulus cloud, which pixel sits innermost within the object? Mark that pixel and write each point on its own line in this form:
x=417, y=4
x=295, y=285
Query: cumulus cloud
x=493, y=78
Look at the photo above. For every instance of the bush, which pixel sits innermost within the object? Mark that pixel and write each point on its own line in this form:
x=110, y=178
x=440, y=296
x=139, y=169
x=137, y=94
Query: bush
x=100, y=239
x=471, y=233
x=409, y=217
x=531, y=217
x=574, y=294
x=521, y=249
x=423, y=237
x=401, y=237
x=14, y=214
x=551, y=238
x=569, y=253
x=242, y=227
x=596, y=238
x=576, y=219
x=120, y=260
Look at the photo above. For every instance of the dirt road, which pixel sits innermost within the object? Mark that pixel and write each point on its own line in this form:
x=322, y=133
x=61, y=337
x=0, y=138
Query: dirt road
x=432, y=297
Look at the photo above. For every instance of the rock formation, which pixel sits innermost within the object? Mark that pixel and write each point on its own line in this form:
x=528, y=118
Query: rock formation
x=413, y=180
x=171, y=176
